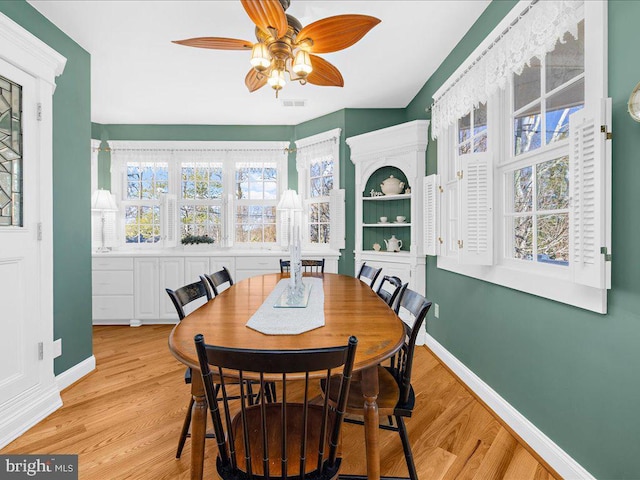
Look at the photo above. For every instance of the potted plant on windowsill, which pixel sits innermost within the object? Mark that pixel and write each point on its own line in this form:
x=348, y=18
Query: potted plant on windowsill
x=196, y=242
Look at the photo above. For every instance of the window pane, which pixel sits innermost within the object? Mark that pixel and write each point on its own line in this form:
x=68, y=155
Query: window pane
x=522, y=190
x=566, y=61
x=327, y=186
x=313, y=233
x=324, y=234
x=527, y=130
x=316, y=187
x=327, y=168
x=480, y=143
x=464, y=128
x=147, y=180
x=142, y=224
x=313, y=213
x=526, y=86
x=464, y=149
x=480, y=119
x=523, y=238
x=553, y=239
x=553, y=184
x=559, y=107
x=201, y=220
x=270, y=190
x=315, y=170
x=324, y=212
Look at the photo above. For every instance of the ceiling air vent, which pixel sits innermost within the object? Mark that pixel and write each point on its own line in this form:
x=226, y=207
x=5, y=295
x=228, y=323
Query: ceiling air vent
x=293, y=103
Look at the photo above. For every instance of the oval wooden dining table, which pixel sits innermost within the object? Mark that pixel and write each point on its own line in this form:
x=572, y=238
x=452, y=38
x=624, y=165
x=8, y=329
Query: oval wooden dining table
x=351, y=307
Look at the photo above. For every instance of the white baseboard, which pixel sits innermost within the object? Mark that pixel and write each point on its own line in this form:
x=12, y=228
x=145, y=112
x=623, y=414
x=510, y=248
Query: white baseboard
x=557, y=458
x=137, y=323
x=76, y=372
x=26, y=411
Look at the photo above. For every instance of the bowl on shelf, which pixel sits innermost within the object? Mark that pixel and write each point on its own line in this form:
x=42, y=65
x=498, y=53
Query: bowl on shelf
x=401, y=219
x=383, y=220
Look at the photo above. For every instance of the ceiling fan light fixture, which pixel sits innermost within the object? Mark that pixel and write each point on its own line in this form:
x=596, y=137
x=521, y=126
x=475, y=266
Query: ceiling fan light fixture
x=302, y=64
x=276, y=79
x=260, y=57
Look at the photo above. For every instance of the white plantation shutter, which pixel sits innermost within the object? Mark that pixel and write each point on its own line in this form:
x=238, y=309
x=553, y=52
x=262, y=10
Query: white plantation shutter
x=476, y=209
x=169, y=220
x=431, y=210
x=337, y=227
x=587, y=177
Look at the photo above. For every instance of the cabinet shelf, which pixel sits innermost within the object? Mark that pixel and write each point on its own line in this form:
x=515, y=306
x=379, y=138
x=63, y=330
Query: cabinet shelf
x=386, y=225
x=400, y=196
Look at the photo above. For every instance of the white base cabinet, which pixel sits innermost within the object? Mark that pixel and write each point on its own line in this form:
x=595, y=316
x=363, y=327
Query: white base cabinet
x=129, y=288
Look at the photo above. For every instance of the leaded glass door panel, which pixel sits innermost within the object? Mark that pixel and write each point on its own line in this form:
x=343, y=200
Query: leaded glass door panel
x=10, y=153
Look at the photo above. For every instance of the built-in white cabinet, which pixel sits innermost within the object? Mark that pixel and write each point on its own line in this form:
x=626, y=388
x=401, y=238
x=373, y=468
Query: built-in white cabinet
x=398, y=151
x=129, y=288
x=112, y=284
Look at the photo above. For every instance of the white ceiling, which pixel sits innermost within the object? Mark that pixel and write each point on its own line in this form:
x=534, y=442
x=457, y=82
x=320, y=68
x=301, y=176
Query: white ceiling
x=138, y=76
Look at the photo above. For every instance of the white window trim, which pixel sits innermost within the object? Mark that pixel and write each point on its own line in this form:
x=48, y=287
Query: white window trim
x=548, y=281
x=303, y=169
x=118, y=177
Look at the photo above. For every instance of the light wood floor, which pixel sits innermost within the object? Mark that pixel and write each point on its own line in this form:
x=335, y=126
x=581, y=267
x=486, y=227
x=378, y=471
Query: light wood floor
x=123, y=421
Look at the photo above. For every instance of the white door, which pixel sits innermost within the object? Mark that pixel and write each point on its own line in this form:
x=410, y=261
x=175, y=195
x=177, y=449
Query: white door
x=19, y=247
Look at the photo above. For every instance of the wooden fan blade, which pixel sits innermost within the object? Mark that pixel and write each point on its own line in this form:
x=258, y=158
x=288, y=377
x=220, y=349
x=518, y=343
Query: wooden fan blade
x=253, y=82
x=324, y=74
x=336, y=33
x=265, y=14
x=217, y=43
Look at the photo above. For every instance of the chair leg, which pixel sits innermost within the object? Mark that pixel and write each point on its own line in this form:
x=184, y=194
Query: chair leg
x=185, y=429
x=406, y=446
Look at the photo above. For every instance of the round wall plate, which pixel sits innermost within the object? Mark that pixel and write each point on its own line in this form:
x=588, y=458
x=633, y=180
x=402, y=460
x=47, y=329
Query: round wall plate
x=634, y=103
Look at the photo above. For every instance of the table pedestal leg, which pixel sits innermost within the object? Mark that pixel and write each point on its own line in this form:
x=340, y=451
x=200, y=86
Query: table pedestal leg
x=198, y=427
x=370, y=391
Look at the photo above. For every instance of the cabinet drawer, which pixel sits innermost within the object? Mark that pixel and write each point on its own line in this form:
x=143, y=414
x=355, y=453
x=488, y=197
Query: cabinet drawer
x=116, y=282
x=112, y=263
x=267, y=264
x=114, y=307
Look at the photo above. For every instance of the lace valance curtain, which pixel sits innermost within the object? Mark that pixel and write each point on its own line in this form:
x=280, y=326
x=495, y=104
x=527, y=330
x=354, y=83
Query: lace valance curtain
x=316, y=148
x=532, y=34
x=200, y=152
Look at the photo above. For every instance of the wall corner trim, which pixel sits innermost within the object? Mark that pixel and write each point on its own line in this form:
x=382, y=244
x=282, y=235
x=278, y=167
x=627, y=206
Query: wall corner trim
x=76, y=372
x=551, y=453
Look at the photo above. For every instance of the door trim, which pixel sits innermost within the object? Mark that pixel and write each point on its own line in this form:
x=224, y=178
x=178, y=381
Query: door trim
x=26, y=52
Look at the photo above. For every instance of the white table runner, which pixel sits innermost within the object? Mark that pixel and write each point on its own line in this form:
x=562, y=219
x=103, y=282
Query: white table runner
x=290, y=321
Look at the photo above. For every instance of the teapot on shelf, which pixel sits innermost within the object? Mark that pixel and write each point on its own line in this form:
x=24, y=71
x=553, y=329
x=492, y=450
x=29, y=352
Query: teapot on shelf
x=392, y=186
x=393, y=244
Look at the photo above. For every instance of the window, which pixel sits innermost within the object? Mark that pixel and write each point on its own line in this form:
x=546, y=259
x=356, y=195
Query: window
x=201, y=193
x=227, y=191
x=145, y=182
x=317, y=160
x=257, y=198
x=523, y=178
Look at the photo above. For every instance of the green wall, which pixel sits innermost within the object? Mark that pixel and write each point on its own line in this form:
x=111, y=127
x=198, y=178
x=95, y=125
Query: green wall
x=71, y=187
x=571, y=372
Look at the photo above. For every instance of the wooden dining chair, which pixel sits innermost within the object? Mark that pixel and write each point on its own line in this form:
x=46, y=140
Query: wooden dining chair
x=218, y=279
x=313, y=266
x=180, y=298
x=389, y=289
x=396, y=397
x=368, y=274
x=289, y=439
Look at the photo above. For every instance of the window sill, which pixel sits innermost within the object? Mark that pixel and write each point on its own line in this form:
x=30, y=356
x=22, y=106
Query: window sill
x=545, y=286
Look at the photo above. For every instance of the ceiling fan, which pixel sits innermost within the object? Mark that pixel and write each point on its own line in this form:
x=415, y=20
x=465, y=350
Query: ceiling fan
x=284, y=45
